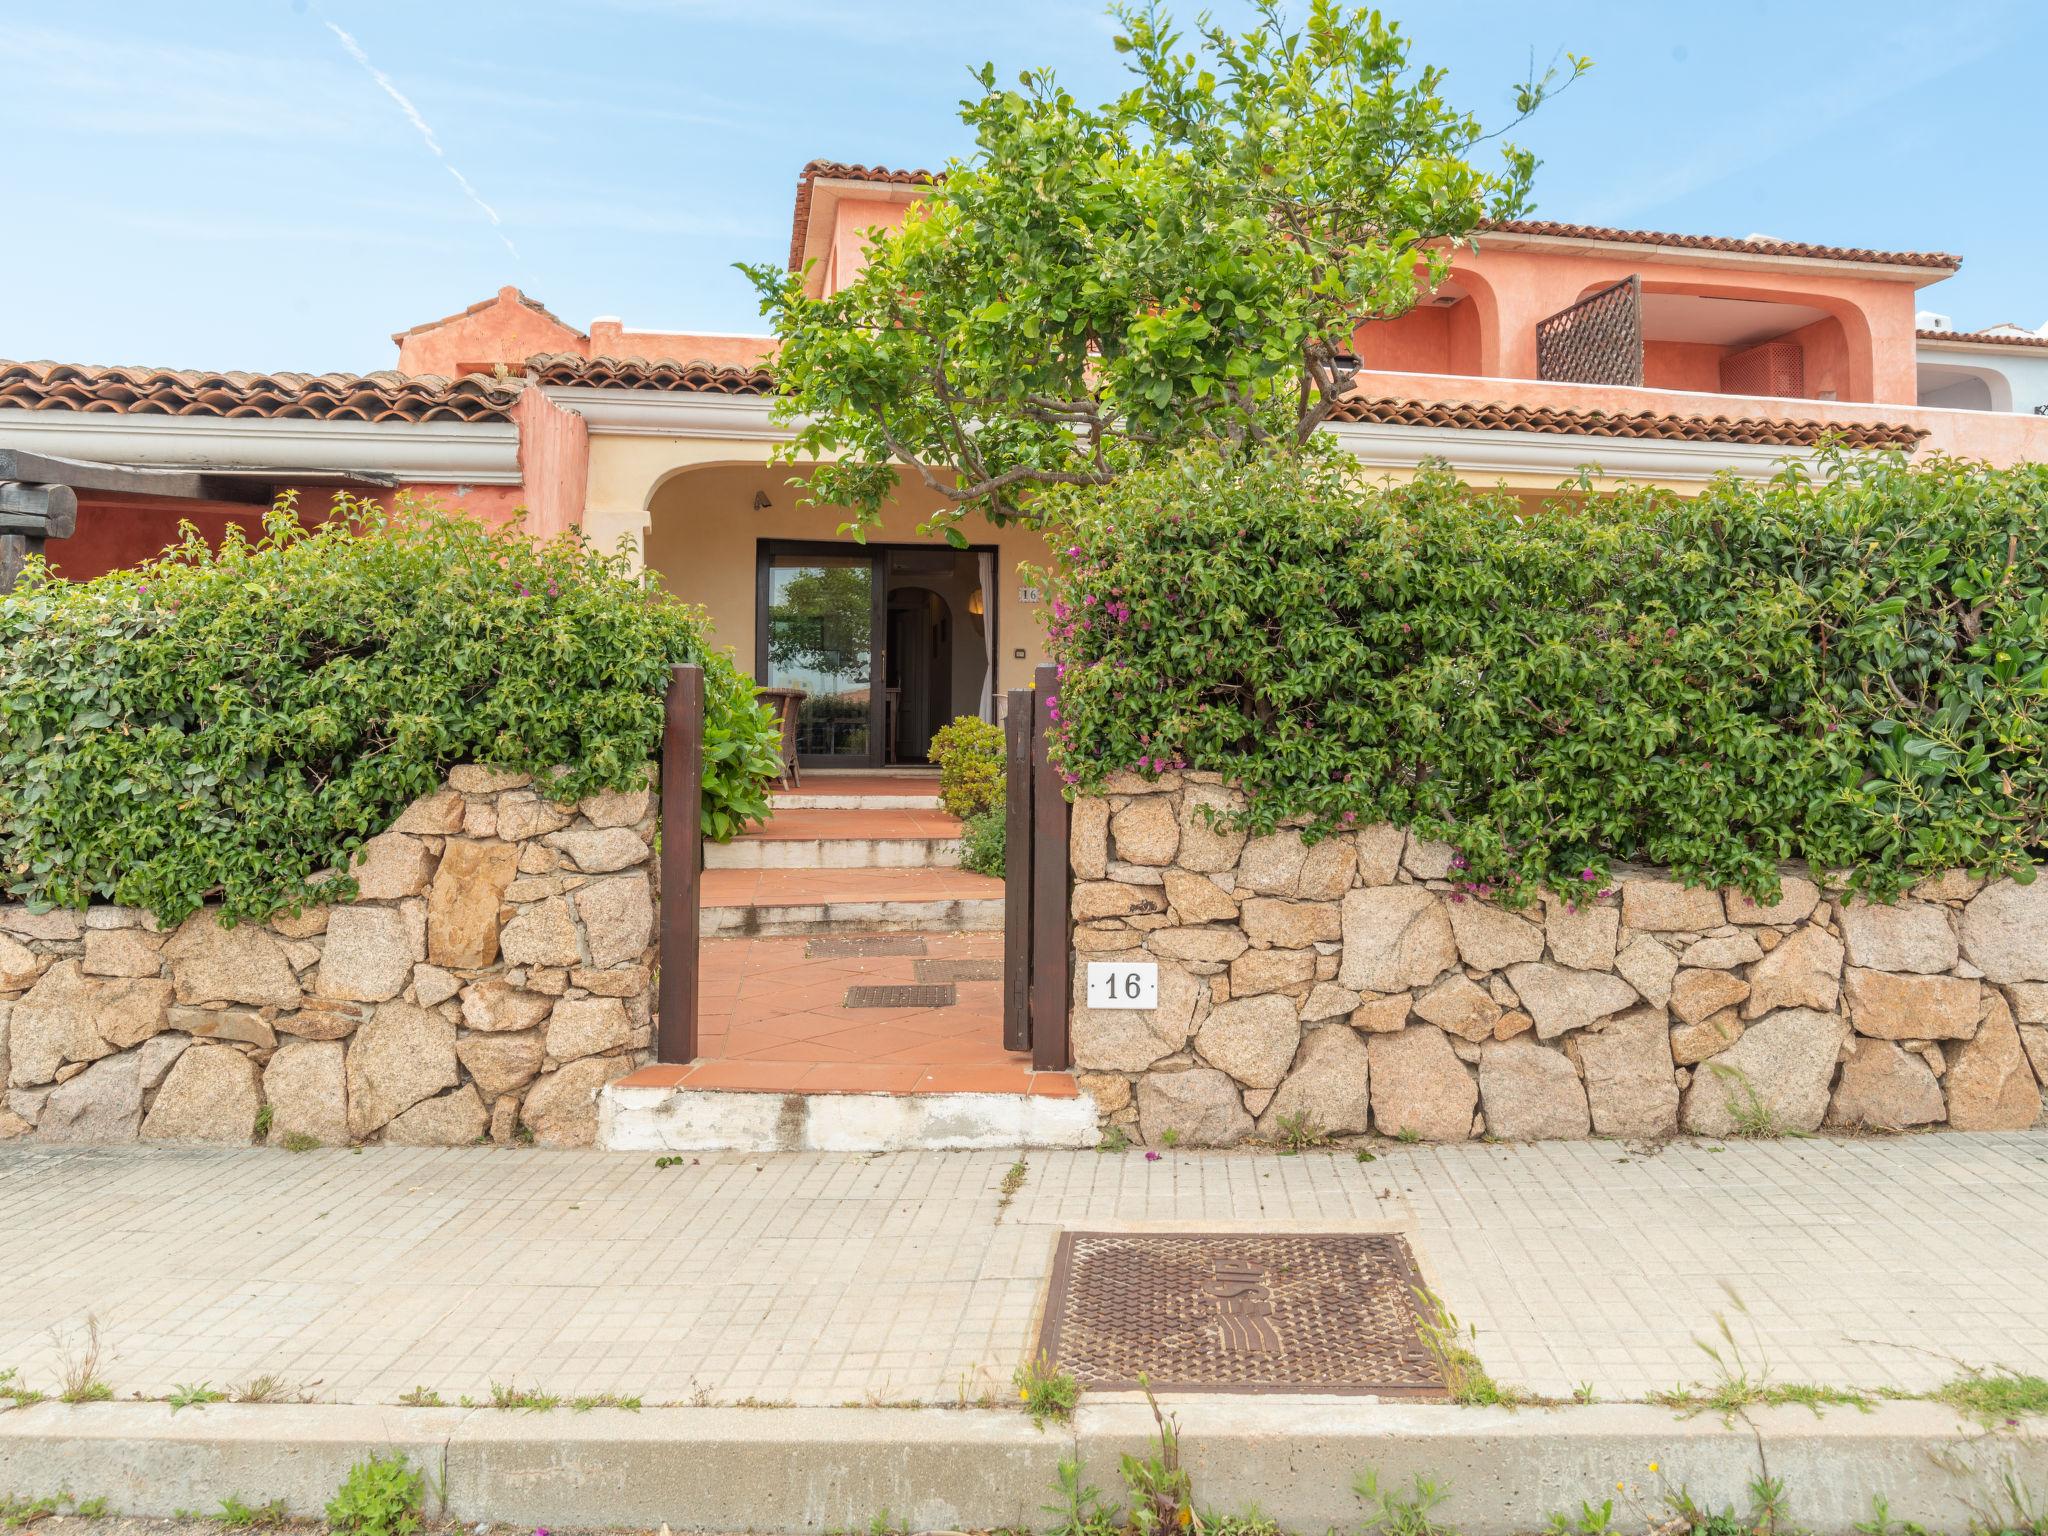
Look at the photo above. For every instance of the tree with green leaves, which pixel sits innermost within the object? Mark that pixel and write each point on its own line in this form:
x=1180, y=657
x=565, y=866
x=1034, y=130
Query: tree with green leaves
x=1187, y=263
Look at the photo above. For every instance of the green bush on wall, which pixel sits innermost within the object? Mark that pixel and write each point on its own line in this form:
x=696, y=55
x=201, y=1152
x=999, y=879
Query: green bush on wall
x=1852, y=671
x=224, y=725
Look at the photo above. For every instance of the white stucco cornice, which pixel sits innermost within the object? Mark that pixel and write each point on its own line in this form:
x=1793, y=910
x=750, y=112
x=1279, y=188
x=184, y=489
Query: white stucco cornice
x=670, y=413
x=1484, y=451
x=463, y=452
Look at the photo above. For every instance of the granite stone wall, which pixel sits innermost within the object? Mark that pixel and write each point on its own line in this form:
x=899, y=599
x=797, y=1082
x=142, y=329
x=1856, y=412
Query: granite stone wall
x=492, y=976
x=1358, y=984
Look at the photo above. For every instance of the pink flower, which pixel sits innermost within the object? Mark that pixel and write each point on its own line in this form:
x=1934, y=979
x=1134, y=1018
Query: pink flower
x=1151, y=1157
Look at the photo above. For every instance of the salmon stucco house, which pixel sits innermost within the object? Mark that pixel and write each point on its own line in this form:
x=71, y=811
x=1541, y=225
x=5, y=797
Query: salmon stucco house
x=1654, y=357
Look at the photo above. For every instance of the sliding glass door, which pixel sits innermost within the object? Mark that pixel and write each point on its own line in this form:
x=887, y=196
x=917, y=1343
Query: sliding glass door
x=885, y=645
x=819, y=633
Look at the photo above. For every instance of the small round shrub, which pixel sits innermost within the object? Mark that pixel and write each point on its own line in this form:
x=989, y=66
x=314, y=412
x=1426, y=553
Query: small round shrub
x=969, y=752
x=982, y=842
x=225, y=725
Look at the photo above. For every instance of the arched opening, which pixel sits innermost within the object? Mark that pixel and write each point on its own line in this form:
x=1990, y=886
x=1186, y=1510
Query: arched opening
x=1705, y=340
x=1959, y=387
x=1451, y=329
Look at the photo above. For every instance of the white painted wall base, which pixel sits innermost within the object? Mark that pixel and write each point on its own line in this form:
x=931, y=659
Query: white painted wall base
x=706, y=1120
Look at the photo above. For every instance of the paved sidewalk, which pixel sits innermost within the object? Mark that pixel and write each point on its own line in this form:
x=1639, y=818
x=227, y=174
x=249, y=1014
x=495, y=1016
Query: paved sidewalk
x=827, y=1278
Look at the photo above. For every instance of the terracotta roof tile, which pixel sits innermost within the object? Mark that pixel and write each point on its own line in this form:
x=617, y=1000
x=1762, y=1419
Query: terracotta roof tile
x=642, y=373
x=1498, y=417
x=478, y=308
x=833, y=170
x=1984, y=338
x=46, y=386
x=707, y=378
x=1796, y=248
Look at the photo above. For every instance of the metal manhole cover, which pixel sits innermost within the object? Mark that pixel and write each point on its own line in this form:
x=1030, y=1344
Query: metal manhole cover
x=959, y=970
x=865, y=947
x=1238, y=1312
x=901, y=997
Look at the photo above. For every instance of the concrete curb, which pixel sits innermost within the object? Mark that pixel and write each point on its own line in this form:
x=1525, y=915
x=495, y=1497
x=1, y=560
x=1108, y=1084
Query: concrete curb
x=808, y=1470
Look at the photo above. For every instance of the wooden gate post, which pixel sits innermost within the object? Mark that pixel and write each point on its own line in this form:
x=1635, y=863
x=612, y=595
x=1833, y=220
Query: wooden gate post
x=1017, y=851
x=682, y=863
x=1051, y=936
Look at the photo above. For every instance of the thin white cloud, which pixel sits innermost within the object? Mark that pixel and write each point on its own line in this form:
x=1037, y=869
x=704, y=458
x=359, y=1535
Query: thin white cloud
x=412, y=114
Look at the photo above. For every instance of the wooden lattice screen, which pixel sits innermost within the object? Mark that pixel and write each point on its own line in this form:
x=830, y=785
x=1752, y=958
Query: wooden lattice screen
x=1598, y=340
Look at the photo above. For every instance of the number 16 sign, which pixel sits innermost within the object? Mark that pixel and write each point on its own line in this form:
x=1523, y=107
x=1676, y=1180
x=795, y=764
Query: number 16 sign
x=1123, y=984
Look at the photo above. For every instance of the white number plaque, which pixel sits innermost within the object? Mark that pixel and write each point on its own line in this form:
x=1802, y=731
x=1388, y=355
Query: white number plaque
x=1123, y=984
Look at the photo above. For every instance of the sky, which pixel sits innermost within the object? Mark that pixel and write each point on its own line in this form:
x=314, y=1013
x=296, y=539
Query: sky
x=273, y=184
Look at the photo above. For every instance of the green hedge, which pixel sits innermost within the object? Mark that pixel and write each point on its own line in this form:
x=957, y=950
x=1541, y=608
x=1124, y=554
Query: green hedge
x=1849, y=671
x=223, y=725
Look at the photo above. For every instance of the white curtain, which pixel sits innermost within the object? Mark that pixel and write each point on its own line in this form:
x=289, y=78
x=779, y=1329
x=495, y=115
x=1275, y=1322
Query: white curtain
x=987, y=562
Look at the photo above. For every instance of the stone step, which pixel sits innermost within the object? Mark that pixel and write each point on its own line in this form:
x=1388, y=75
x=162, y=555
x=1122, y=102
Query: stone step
x=795, y=1109
x=882, y=791
x=773, y=902
x=838, y=838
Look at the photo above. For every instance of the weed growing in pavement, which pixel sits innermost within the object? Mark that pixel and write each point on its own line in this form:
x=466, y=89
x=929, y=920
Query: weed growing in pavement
x=1449, y=1345
x=18, y=1512
x=1754, y=1119
x=1046, y=1391
x=263, y=1119
x=194, y=1394
x=79, y=1369
x=299, y=1141
x=17, y=1391
x=1390, y=1513
x=1012, y=1182
x=381, y=1496
x=421, y=1397
x=269, y=1388
x=1300, y=1132
x=1739, y=1385
x=1169, y=1138
x=1408, y=1136
x=94, y=1508
x=1363, y=1156
x=1115, y=1139
x=629, y=1402
x=1987, y=1396
x=234, y=1515
x=1583, y=1393
x=1080, y=1510
x=508, y=1395
x=1162, y=1496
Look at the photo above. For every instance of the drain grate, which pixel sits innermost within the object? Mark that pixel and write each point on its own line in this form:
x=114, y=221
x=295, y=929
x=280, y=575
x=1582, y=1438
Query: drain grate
x=911, y=996
x=865, y=947
x=1238, y=1312
x=959, y=970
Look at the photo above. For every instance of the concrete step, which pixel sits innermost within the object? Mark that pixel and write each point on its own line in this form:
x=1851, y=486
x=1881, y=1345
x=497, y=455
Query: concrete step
x=834, y=791
x=808, y=838
x=658, y=1109
x=772, y=902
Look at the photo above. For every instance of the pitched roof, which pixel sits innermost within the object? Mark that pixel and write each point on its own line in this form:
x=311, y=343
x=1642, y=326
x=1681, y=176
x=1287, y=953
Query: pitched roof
x=640, y=373
x=1984, y=338
x=134, y=391
x=1500, y=417
x=479, y=307
x=1751, y=246
x=833, y=170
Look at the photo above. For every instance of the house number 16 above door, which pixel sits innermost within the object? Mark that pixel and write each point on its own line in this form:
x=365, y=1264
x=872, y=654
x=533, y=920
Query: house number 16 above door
x=1123, y=984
